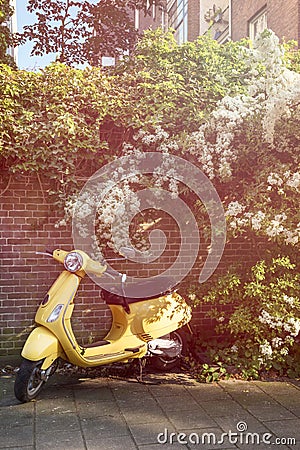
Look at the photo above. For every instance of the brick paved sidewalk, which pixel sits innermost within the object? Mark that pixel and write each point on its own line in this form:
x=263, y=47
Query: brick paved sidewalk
x=110, y=413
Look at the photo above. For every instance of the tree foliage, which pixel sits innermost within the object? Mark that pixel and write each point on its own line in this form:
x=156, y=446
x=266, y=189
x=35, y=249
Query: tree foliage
x=231, y=109
x=81, y=31
x=6, y=40
x=257, y=317
x=58, y=119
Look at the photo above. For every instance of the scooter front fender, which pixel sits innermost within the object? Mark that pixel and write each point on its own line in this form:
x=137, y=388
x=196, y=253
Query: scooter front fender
x=42, y=344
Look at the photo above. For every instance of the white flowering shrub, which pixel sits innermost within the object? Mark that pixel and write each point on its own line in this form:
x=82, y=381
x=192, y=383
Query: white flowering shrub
x=114, y=205
x=258, y=316
x=250, y=147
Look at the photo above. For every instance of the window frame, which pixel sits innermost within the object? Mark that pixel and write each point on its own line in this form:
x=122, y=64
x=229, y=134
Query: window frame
x=178, y=19
x=252, y=23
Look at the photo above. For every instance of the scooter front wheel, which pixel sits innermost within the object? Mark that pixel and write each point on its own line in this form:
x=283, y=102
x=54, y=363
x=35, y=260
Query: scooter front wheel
x=30, y=379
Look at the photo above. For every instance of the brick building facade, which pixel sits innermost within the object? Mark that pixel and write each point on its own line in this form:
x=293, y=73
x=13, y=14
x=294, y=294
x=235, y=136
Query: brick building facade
x=27, y=226
x=235, y=19
x=155, y=17
x=283, y=17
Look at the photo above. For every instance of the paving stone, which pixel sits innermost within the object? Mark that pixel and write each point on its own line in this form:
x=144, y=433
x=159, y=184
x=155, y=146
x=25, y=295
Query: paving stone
x=74, y=443
x=173, y=389
x=277, y=387
x=17, y=436
x=191, y=419
x=184, y=402
x=147, y=415
x=251, y=423
x=170, y=379
x=207, y=392
x=15, y=417
x=147, y=433
x=270, y=412
x=263, y=446
x=204, y=438
x=110, y=414
x=27, y=447
x=143, y=402
x=285, y=428
x=125, y=393
x=56, y=392
x=99, y=393
x=92, y=410
x=165, y=447
x=56, y=422
x=7, y=397
x=246, y=399
x=105, y=426
x=55, y=405
x=217, y=408
x=112, y=443
x=239, y=386
x=286, y=394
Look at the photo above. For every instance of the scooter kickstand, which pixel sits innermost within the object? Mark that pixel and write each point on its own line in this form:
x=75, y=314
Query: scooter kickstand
x=142, y=364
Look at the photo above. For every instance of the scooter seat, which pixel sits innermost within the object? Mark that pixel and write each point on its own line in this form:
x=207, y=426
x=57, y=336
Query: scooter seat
x=137, y=292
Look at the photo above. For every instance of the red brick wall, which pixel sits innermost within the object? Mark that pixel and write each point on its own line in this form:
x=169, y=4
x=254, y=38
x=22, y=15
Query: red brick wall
x=153, y=19
x=193, y=20
x=27, y=223
x=283, y=17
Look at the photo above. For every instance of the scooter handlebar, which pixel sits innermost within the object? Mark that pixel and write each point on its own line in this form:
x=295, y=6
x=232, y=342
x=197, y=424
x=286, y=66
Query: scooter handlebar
x=95, y=267
x=113, y=273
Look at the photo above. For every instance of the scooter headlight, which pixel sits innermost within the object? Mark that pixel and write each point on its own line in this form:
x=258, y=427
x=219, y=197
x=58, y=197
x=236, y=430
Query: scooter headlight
x=73, y=261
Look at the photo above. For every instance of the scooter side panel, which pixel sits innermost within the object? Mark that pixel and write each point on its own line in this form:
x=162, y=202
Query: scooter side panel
x=62, y=291
x=40, y=344
x=161, y=315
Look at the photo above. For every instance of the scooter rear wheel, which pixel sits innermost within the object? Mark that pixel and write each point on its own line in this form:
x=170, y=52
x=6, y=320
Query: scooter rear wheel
x=29, y=380
x=163, y=363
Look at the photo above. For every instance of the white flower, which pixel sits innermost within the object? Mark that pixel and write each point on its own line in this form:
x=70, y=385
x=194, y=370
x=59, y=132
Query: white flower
x=294, y=181
x=274, y=229
x=275, y=180
x=292, y=326
x=289, y=300
x=257, y=219
x=266, y=349
x=291, y=237
x=277, y=342
x=234, y=208
x=284, y=351
x=271, y=321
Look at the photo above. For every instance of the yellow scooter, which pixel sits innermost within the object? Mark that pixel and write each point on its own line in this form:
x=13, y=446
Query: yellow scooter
x=140, y=326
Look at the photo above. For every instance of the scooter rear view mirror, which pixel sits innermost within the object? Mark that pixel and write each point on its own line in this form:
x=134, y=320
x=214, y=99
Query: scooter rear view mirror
x=44, y=253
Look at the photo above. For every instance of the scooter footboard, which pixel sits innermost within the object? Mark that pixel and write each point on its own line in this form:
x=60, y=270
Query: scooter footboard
x=42, y=344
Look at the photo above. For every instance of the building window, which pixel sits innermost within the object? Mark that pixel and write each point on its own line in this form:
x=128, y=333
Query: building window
x=178, y=19
x=154, y=11
x=258, y=24
x=218, y=24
